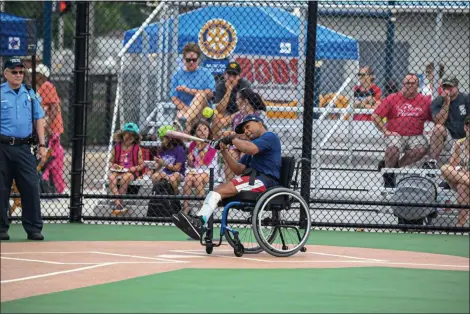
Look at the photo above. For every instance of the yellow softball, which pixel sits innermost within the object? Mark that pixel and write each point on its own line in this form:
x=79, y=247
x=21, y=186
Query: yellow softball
x=207, y=112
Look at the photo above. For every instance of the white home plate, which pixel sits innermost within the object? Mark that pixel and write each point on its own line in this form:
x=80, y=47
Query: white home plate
x=180, y=256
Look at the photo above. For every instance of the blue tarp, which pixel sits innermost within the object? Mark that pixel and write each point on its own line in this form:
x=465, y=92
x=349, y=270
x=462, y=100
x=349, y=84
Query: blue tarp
x=410, y=4
x=260, y=31
x=18, y=36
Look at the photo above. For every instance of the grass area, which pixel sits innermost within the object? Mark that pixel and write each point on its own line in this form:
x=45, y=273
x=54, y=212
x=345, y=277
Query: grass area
x=353, y=290
x=457, y=245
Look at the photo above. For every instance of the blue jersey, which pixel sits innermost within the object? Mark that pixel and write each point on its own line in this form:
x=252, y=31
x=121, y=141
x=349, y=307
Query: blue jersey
x=268, y=160
x=15, y=114
x=200, y=79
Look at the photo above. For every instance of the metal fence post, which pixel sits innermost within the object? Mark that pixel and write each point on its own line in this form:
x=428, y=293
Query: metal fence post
x=79, y=108
x=308, y=100
x=390, y=42
x=46, y=55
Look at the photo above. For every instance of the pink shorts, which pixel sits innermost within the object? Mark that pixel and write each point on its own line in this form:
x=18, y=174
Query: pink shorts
x=243, y=184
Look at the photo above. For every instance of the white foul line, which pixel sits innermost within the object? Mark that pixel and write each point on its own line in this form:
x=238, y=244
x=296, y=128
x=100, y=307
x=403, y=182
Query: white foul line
x=42, y=261
x=179, y=256
x=348, y=256
x=55, y=273
x=217, y=255
x=49, y=252
x=141, y=257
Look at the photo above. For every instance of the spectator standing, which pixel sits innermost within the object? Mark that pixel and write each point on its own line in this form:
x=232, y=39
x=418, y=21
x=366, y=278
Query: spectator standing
x=449, y=111
x=226, y=96
x=406, y=113
x=367, y=95
x=191, y=88
x=21, y=125
x=54, y=127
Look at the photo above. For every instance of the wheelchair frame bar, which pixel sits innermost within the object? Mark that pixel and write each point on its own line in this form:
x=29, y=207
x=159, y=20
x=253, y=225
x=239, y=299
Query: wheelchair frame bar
x=225, y=214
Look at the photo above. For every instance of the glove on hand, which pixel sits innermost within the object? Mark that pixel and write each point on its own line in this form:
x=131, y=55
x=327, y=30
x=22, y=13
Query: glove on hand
x=227, y=140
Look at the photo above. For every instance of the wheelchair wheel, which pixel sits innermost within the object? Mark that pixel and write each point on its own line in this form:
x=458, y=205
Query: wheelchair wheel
x=243, y=224
x=286, y=212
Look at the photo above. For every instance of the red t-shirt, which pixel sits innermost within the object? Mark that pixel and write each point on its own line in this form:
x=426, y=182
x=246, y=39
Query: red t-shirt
x=405, y=116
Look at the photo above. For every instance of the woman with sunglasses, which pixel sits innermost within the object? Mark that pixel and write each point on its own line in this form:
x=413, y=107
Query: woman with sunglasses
x=249, y=102
x=367, y=95
x=191, y=88
x=457, y=172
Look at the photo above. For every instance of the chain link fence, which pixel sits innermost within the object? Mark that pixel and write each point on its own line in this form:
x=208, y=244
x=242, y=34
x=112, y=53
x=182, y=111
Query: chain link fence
x=390, y=96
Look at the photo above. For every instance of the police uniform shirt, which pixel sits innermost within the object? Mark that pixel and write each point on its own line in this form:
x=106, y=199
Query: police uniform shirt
x=15, y=115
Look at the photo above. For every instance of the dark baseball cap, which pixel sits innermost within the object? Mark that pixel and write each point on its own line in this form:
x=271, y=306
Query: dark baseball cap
x=13, y=63
x=248, y=118
x=233, y=68
x=450, y=81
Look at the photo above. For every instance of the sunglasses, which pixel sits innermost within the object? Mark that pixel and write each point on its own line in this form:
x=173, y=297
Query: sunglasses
x=16, y=72
x=188, y=60
x=362, y=74
x=410, y=83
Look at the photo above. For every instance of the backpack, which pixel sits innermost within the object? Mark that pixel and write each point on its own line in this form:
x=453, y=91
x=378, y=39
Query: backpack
x=163, y=207
x=414, y=189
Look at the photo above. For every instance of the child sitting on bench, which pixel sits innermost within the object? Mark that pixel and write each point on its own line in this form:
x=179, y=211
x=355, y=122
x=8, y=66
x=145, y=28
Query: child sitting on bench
x=126, y=163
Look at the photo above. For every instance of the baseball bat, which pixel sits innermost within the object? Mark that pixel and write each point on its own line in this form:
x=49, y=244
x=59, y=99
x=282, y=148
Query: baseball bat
x=187, y=137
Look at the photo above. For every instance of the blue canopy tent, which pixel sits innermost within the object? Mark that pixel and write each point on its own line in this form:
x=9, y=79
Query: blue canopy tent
x=18, y=35
x=260, y=31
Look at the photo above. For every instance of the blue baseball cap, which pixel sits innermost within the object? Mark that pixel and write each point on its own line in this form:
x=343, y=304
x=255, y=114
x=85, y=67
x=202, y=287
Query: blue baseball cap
x=248, y=118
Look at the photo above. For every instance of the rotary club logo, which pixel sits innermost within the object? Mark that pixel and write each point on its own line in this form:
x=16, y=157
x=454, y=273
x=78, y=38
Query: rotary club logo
x=217, y=39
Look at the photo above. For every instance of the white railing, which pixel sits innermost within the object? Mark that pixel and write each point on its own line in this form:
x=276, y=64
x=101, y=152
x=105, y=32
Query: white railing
x=120, y=56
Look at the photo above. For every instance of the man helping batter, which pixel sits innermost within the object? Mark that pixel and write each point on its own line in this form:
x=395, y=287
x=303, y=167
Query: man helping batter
x=257, y=170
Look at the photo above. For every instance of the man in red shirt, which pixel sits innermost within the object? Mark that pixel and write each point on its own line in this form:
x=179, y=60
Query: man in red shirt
x=406, y=112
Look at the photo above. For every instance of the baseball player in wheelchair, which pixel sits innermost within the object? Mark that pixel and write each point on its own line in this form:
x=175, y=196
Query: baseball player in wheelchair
x=256, y=171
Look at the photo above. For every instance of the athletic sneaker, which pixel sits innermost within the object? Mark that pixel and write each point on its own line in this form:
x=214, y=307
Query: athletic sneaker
x=119, y=209
x=431, y=164
x=444, y=185
x=189, y=225
x=389, y=178
x=175, y=219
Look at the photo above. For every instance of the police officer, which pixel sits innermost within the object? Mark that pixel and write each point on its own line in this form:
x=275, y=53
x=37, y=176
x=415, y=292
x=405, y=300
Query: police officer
x=19, y=110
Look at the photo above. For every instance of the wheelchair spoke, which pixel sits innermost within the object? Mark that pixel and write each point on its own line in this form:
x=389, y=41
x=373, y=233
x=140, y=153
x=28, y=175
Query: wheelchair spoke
x=286, y=217
x=240, y=220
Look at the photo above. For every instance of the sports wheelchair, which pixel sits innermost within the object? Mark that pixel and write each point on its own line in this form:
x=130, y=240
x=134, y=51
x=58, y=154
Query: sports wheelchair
x=279, y=219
